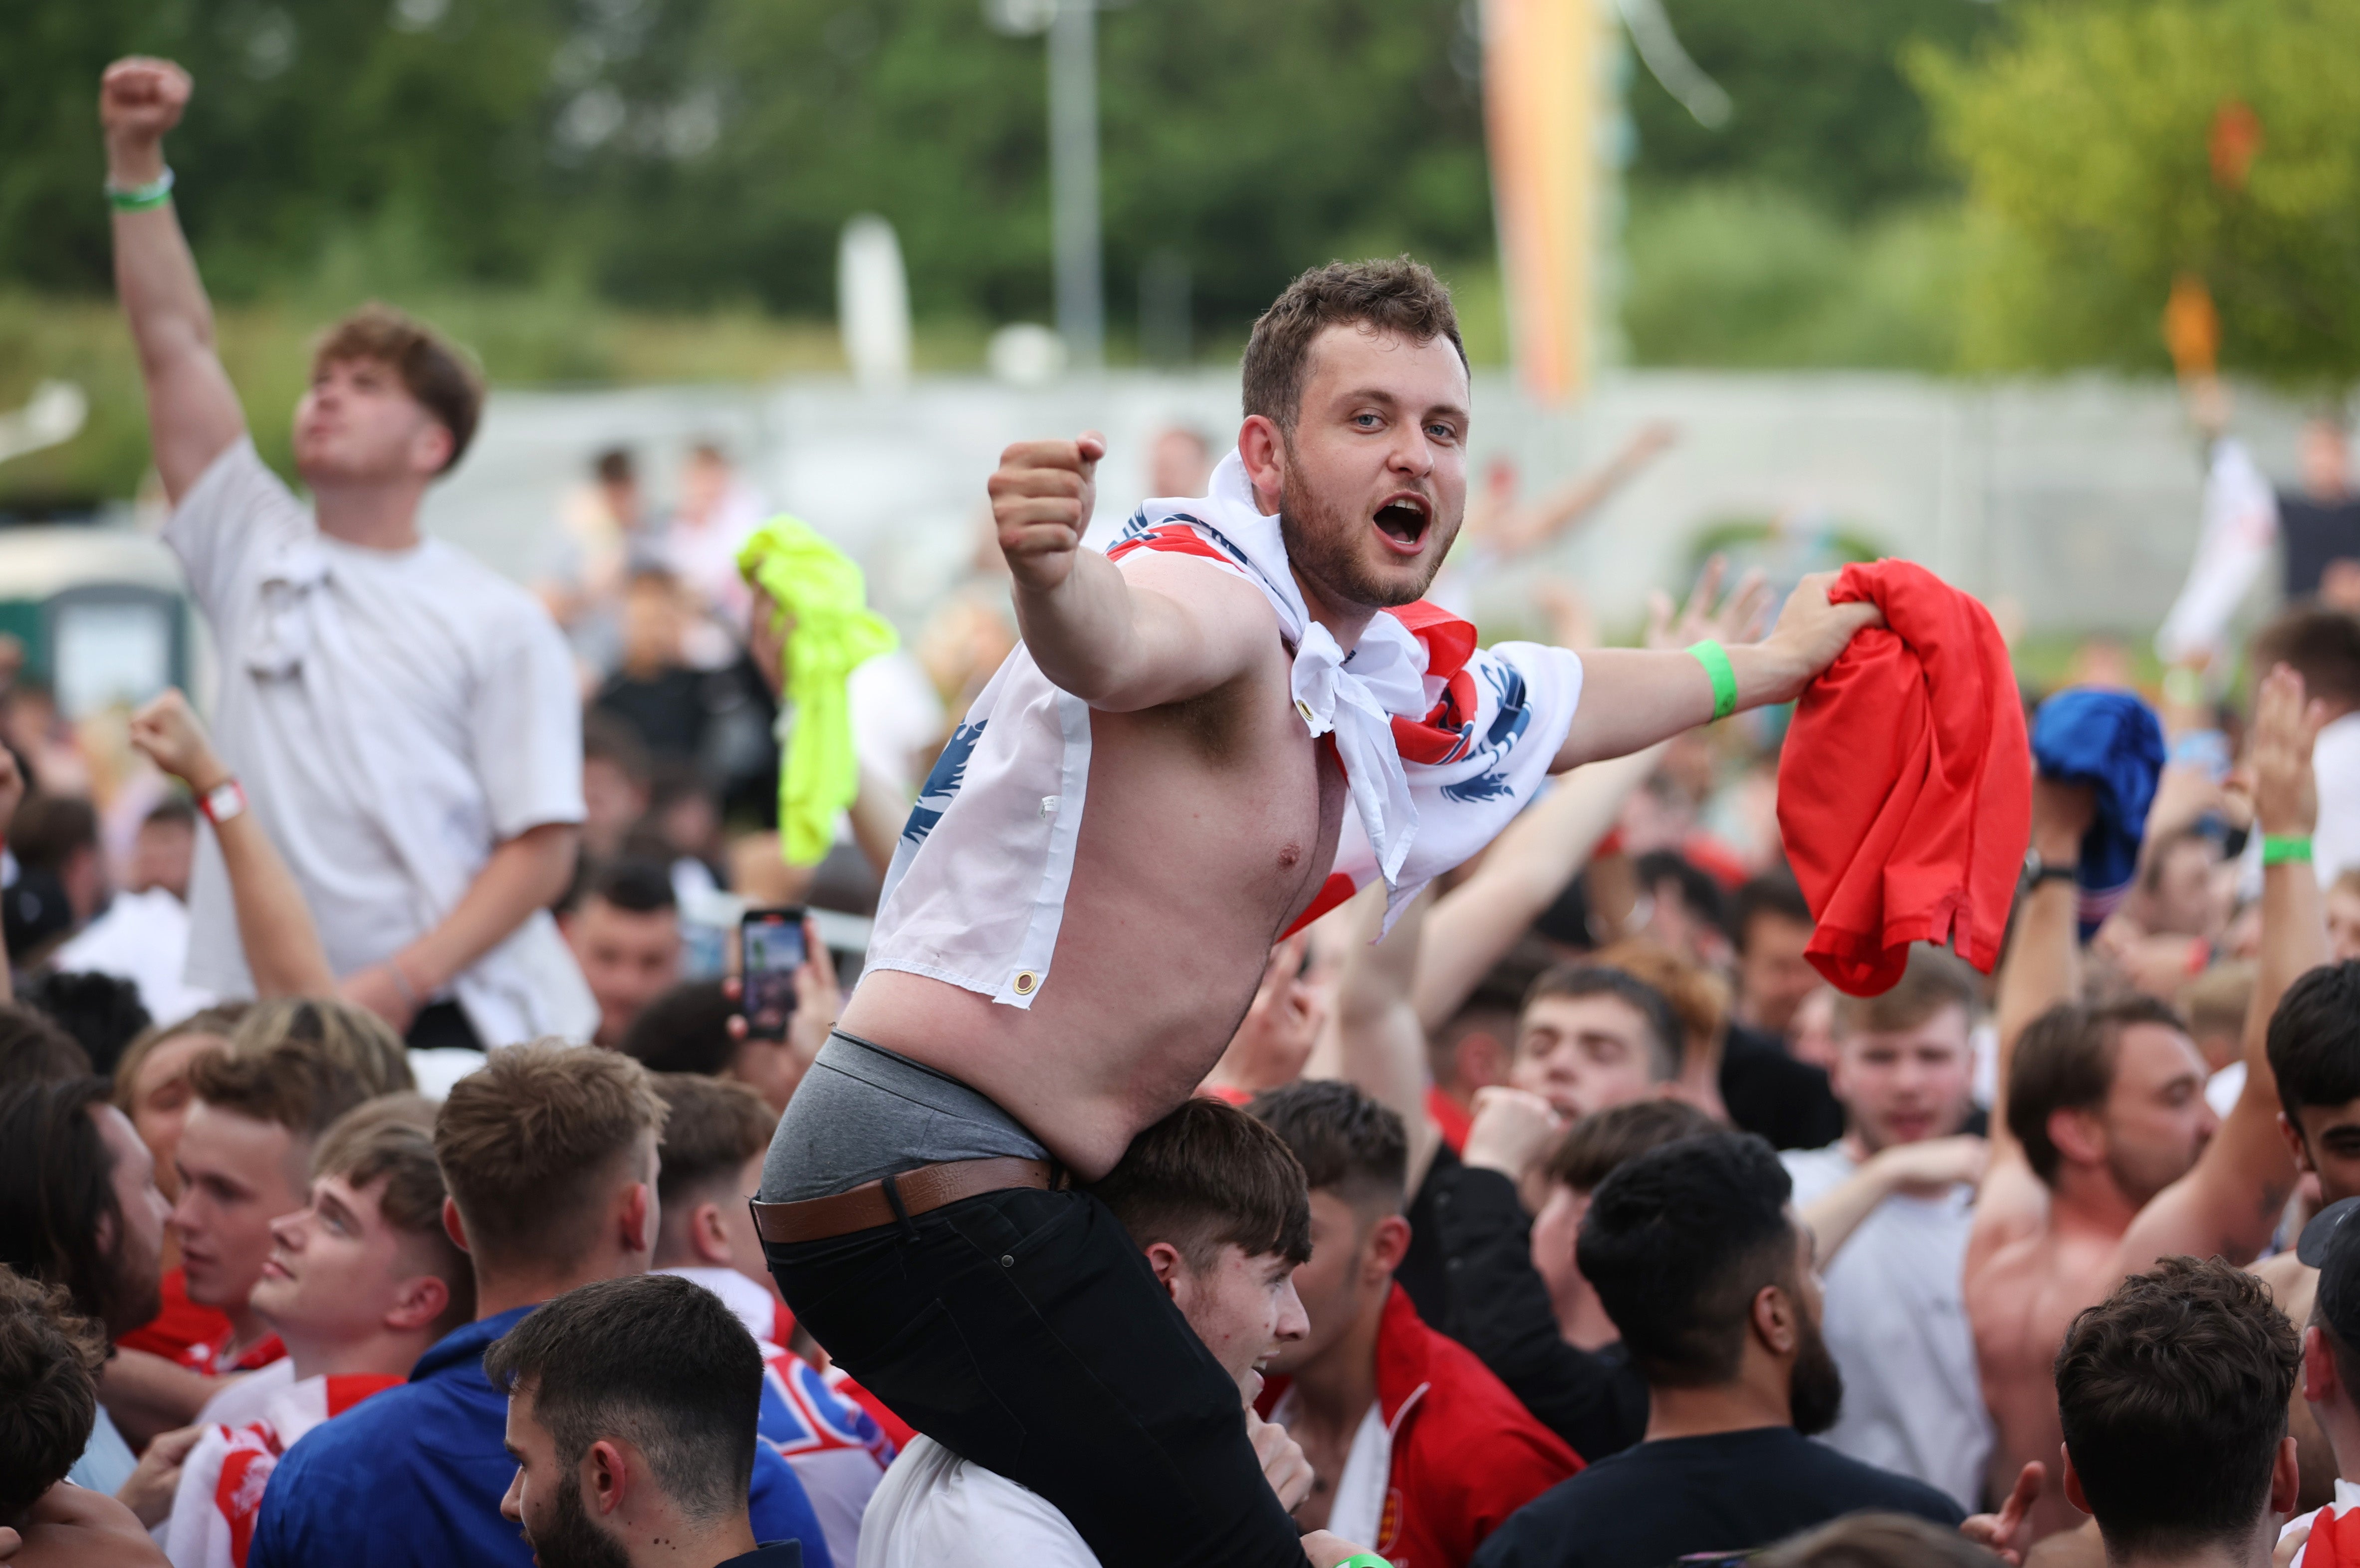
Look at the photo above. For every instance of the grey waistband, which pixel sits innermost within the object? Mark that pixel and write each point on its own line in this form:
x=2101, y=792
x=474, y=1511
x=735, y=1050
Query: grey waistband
x=863, y=1112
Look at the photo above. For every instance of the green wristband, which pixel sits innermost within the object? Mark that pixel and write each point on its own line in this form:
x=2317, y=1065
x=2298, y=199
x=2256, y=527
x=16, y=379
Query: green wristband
x=1364, y=1560
x=2278, y=849
x=140, y=197
x=1715, y=659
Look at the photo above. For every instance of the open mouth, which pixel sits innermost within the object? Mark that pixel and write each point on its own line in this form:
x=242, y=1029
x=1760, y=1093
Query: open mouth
x=1403, y=521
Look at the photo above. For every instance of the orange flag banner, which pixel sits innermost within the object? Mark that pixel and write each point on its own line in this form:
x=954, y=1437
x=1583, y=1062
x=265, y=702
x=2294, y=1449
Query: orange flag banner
x=1544, y=68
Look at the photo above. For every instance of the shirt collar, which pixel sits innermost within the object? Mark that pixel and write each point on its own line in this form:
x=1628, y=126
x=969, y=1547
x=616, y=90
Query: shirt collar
x=769, y=1554
x=465, y=1347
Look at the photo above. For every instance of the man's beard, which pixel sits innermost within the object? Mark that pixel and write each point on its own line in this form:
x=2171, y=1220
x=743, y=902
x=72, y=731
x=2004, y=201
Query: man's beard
x=139, y=1292
x=1323, y=543
x=570, y=1539
x=1814, y=1385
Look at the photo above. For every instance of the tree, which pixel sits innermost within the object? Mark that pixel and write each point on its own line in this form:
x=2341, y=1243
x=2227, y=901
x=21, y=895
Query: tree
x=2112, y=148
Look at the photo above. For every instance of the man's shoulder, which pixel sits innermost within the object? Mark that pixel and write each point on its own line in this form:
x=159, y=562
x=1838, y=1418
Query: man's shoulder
x=1847, y=1484
x=1816, y=1171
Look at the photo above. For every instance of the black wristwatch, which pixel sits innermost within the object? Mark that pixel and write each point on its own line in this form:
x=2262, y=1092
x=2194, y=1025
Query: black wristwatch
x=2037, y=870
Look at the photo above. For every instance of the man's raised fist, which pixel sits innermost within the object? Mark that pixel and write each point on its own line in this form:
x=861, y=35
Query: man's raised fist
x=139, y=99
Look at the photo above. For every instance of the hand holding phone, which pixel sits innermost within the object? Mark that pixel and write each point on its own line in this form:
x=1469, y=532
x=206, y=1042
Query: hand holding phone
x=770, y=948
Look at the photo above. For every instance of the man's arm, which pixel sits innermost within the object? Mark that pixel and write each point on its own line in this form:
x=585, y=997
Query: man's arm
x=1473, y=926
x=1162, y=628
x=525, y=873
x=2231, y=1201
x=2043, y=967
x=1381, y=1046
x=193, y=411
x=274, y=924
x=1631, y=698
x=1527, y=527
x=1929, y=1167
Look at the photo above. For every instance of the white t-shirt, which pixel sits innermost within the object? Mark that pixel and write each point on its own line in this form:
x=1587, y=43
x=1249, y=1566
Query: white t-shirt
x=934, y=1507
x=142, y=938
x=2335, y=764
x=1896, y=1324
x=394, y=715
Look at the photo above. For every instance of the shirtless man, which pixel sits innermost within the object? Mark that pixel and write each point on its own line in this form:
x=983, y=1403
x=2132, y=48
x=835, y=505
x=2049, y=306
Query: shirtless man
x=1047, y=981
x=2103, y=1154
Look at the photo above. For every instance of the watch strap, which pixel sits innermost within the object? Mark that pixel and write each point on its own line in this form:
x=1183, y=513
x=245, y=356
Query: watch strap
x=222, y=802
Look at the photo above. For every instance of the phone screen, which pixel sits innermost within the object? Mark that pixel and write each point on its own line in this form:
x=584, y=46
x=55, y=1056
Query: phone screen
x=772, y=944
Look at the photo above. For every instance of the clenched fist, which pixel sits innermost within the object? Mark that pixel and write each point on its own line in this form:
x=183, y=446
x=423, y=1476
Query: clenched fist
x=139, y=99
x=1042, y=497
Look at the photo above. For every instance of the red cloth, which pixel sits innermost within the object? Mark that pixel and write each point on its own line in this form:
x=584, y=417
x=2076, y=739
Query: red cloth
x=180, y=1325
x=1905, y=788
x=1451, y=1119
x=1466, y=1454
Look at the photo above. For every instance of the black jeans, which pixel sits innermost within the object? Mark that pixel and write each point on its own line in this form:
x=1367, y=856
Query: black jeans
x=1024, y=1332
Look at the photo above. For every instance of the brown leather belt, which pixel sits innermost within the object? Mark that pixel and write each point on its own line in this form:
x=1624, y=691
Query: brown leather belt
x=918, y=1191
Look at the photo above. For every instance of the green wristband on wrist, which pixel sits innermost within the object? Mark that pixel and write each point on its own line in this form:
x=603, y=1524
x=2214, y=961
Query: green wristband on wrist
x=2279, y=849
x=1715, y=659
x=1364, y=1560
x=140, y=197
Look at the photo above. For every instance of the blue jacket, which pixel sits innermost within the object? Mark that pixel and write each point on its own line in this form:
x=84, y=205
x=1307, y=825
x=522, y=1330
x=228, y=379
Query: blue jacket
x=415, y=1475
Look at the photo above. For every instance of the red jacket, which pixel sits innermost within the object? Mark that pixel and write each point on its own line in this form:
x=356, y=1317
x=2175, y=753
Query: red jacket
x=1462, y=1454
x=1905, y=788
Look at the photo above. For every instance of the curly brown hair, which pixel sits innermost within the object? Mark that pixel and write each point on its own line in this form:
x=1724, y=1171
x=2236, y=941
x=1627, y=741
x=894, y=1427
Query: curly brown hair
x=1391, y=294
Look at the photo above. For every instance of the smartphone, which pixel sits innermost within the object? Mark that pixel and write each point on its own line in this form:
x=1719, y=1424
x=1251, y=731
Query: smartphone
x=770, y=947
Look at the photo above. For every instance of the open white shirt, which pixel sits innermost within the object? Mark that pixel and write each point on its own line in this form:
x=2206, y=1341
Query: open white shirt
x=1896, y=1324
x=934, y=1508
x=394, y=716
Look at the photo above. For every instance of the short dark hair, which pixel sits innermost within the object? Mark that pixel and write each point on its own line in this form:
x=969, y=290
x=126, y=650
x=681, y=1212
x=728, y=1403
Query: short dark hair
x=712, y=1128
x=615, y=466
x=2318, y=644
x=653, y=1359
x=102, y=1012
x=56, y=1191
x=1678, y=1242
x=1667, y=1044
x=1388, y=294
x=50, y=1357
x=2173, y=1393
x=2314, y=1039
x=1207, y=1176
x=1936, y=979
x=32, y=1048
x=606, y=738
x=686, y=1029
x=172, y=811
x=2065, y=1061
x=433, y=370
x=1772, y=893
x=1702, y=896
x=1345, y=1141
x=1875, y=1541
x=1601, y=1142
x=49, y=829
x=636, y=884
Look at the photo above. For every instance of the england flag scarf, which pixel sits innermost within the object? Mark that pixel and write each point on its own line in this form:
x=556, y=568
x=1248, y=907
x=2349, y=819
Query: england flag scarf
x=1441, y=745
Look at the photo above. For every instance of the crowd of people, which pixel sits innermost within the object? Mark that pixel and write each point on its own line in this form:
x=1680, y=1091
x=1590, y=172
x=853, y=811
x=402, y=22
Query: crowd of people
x=1318, y=1087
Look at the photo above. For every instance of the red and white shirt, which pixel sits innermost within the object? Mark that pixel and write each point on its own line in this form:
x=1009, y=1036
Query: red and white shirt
x=2334, y=1531
x=1441, y=744
x=222, y=1481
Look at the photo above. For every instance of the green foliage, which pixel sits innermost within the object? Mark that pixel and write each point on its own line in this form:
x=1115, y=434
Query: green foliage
x=1755, y=276
x=1819, y=104
x=2085, y=137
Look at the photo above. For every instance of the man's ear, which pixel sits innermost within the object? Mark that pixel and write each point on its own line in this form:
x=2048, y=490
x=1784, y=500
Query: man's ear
x=417, y=1303
x=2297, y=1145
x=2286, y=1477
x=1773, y=1320
x=1262, y=450
x=453, y=1226
x=2321, y=1378
x=607, y=1476
x=430, y=448
x=2073, y=1493
x=2079, y=1137
x=1165, y=1259
x=638, y=1209
x=1388, y=1244
x=1481, y=1060
x=709, y=1234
